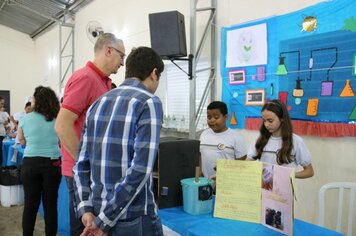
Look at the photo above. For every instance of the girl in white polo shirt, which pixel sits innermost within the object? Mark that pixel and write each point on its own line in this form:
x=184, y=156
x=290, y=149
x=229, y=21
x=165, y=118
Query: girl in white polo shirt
x=277, y=144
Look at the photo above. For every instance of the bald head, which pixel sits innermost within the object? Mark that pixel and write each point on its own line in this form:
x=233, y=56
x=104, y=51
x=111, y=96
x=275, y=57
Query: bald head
x=106, y=39
x=109, y=53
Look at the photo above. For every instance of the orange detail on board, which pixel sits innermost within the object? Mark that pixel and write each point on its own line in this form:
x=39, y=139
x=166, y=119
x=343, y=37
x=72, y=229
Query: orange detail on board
x=311, y=128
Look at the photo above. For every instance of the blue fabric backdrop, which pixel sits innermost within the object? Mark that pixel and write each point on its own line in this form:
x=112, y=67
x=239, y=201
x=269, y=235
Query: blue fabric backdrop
x=336, y=27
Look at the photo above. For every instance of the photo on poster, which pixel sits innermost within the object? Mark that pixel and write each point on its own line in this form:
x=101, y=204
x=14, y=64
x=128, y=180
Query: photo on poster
x=237, y=77
x=255, y=97
x=274, y=218
x=267, y=177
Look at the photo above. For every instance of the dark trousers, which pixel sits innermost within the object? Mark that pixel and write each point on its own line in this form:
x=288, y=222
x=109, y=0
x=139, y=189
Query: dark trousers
x=76, y=225
x=41, y=178
x=148, y=225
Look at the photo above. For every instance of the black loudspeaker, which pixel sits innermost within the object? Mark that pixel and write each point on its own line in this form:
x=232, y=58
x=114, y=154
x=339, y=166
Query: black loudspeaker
x=177, y=159
x=167, y=32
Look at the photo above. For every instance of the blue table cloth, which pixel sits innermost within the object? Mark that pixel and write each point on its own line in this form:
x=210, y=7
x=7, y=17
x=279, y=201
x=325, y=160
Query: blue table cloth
x=6, y=144
x=62, y=208
x=188, y=225
x=15, y=155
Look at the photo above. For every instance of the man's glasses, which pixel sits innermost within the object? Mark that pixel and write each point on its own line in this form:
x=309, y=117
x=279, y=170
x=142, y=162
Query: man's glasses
x=122, y=55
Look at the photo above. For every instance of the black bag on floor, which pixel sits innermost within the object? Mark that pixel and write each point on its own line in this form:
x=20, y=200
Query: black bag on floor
x=10, y=175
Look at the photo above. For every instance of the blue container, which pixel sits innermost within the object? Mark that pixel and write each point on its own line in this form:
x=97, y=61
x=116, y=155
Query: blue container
x=197, y=196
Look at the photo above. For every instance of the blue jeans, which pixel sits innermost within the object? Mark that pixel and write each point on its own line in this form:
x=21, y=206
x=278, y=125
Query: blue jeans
x=76, y=225
x=148, y=225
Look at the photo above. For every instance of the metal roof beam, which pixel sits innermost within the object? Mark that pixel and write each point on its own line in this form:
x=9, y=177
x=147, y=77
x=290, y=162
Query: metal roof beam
x=68, y=11
x=36, y=12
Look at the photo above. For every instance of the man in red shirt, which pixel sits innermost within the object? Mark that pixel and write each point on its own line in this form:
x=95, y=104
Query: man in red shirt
x=82, y=89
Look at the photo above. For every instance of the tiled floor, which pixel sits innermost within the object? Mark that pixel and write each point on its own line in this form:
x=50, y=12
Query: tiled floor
x=11, y=222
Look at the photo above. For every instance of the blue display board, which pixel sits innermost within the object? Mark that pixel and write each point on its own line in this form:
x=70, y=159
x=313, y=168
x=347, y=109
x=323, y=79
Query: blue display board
x=320, y=83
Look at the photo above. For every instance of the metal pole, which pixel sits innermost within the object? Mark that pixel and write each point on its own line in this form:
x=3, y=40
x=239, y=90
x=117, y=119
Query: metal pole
x=60, y=59
x=192, y=82
x=213, y=51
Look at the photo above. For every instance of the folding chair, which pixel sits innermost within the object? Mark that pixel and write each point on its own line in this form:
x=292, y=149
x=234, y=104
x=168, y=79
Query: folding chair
x=341, y=187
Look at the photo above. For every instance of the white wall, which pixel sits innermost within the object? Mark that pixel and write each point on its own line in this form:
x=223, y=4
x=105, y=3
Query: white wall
x=333, y=158
x=17, y=66
x=129, y=20
x=25, y=65
x=126, y=19
x=47, y=58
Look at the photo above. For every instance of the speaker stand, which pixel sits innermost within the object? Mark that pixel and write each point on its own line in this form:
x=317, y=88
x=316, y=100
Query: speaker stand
x=190, y=61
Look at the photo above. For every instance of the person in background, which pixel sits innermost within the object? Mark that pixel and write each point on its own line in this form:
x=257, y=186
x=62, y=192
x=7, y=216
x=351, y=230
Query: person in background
x=15, y=120
x=81, y=90
x=4, y=121
x=17, y=116
x=218, y=141
x=118, y=149
x=41, y=166
x=277, y=144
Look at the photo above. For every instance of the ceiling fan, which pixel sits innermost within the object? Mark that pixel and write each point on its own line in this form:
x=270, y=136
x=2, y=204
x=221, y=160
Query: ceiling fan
x=94, y=29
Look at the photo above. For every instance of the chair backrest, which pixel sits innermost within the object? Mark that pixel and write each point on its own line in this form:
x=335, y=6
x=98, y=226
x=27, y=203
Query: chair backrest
x=341, y=187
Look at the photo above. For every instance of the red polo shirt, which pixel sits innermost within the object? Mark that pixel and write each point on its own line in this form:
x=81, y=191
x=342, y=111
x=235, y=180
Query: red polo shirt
x=82, y=89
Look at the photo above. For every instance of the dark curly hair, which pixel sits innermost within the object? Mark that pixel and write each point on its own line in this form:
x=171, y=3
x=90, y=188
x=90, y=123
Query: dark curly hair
x=46, y=102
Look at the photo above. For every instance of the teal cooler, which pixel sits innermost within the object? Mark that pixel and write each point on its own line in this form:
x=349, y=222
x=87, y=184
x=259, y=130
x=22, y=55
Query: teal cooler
x=197, y=196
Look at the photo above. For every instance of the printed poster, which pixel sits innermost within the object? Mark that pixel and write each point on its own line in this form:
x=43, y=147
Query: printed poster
x=238, y=190
x=247, y=46
x=277, y=198
x=256, y=192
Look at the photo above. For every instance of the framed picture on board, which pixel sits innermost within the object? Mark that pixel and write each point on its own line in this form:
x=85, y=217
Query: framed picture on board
x=237, y=76
x=255, y=97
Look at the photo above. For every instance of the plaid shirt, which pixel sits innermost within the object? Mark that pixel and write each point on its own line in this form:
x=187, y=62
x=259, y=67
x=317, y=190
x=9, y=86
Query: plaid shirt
x=119, y=144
